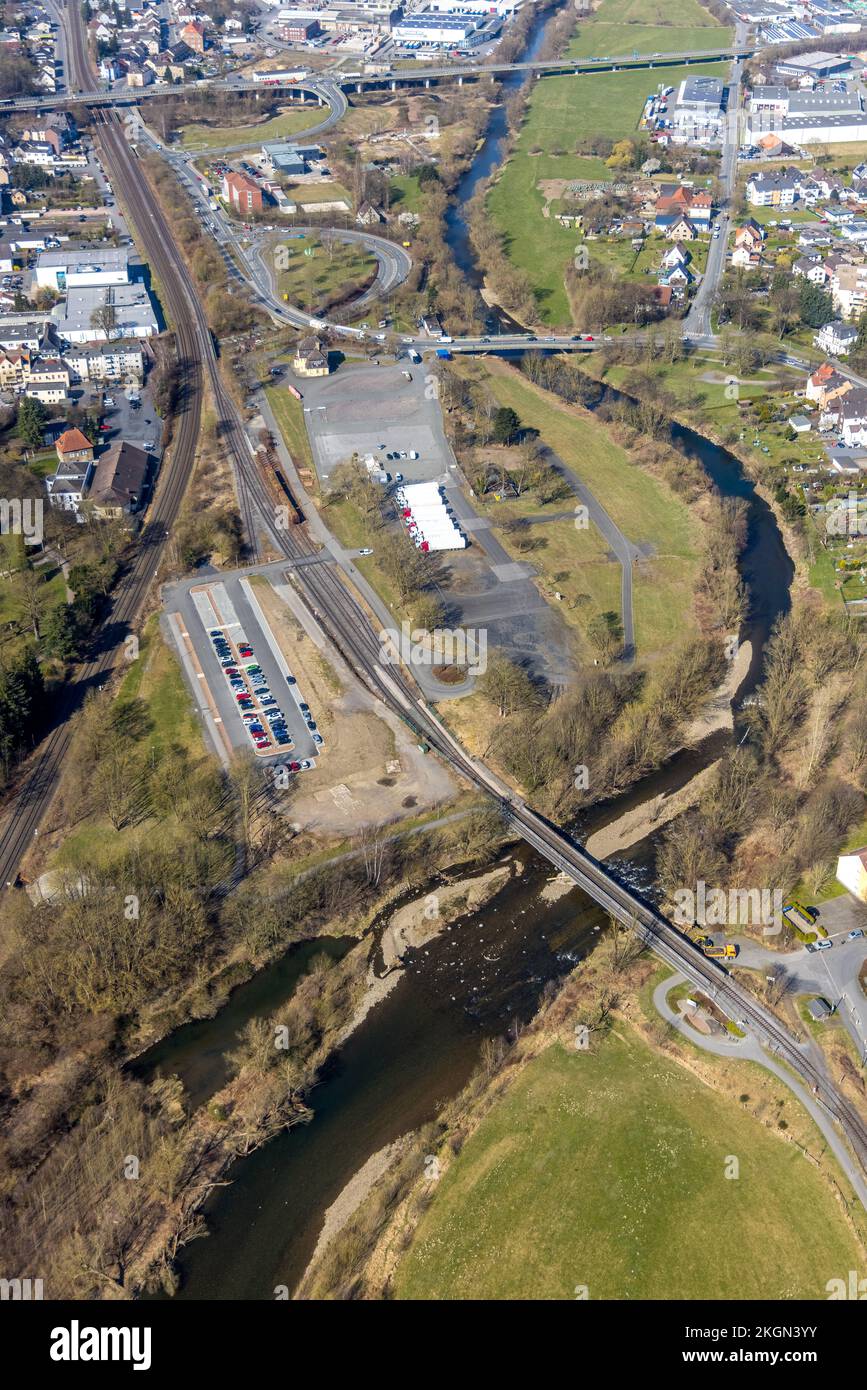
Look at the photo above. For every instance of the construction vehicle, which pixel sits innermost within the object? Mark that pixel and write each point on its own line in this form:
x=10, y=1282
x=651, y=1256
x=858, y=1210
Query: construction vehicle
x=727, y=952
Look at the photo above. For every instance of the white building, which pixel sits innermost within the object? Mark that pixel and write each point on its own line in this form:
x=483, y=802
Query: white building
x=134, y=314
x=77, y=268
x=836, y=338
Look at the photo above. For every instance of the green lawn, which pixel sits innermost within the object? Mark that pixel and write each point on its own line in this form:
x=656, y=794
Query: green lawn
x=405, y=193
x=619, y=27
x=574, y=562
x=561, y=111
x=605, y=1169
x=289, y=414
x=156, y=678
x=644, y=508
x=331, y=270
x=204, y=137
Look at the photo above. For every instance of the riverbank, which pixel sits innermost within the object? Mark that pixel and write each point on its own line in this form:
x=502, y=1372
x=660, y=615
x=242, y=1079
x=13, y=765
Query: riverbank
x=444, y=1229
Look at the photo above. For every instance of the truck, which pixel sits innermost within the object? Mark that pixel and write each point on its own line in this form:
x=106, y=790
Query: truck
x=413, y=355
x=293, y=391
x=727, y=952
x=444, y=354
x=317, y=323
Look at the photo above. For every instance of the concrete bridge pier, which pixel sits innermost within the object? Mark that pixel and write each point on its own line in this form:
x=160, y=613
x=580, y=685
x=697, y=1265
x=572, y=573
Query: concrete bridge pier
x=393, y=85
x=358, y=86
x=461, y=80
x=427, y=82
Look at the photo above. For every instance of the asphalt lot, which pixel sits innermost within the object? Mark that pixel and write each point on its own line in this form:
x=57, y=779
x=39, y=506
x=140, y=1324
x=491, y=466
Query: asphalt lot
x=229, y=604
x=141, y=427
x=362, y=407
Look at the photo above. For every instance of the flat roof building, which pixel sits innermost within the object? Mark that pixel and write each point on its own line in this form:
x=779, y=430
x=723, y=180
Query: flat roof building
x=134, y=314
x=74, y=267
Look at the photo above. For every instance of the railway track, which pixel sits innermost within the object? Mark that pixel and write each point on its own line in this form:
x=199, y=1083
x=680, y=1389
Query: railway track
x=30, y=802
x=342, y=615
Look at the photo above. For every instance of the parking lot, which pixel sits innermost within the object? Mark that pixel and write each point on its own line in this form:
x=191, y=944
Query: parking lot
x=245, y=691
x=123, y=419
x=376, y=410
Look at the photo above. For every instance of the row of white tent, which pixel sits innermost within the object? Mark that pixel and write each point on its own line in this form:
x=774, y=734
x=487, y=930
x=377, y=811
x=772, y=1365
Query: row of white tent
x=427, y=518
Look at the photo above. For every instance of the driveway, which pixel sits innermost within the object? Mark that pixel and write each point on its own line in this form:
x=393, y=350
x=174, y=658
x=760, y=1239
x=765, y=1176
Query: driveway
x=832, y=974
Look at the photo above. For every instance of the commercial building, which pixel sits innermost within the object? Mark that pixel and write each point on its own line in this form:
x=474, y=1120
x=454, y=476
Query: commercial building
x=133, y=314
x=435, y=28
x=815, y=64
x=241, y=193
x=288, y=159
x=297, y=26
x=79, y=268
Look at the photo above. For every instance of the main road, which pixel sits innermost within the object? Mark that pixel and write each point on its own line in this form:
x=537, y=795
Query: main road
x=330, y=88
x=344, y=618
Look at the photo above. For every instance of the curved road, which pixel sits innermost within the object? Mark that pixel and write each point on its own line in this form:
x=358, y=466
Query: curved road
x=748, y=1050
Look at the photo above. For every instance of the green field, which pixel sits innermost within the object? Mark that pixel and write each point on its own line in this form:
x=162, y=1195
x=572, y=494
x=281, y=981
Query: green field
x=561, y=111
x=289, y=414
x=332, y=270
x=619, y=27
x=605, y=1169
x=644, y=508
x=205, y=137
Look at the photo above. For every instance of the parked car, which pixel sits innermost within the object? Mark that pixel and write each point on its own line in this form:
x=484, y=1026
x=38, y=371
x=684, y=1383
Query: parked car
x=824, y=945
x=855, y=935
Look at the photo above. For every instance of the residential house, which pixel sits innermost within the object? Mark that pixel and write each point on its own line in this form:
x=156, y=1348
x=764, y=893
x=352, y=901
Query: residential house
x=369, y=216
x=852, y=872
x=811, y=270
x=73, y=446
x=120, y=482
x=836, y=338
x=750, y=234
x=848, y=285
x=697, y=205
x=772, y=190
x=826, y=385
x=676, y=255
x=68, y=486
x=745, y=258
x=193, y=35
x=120, y=360
x=676, y=227
x=850, y=416
x=47, y=380
x=310, y=359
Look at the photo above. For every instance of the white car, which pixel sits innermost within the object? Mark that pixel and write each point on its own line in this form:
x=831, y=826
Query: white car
x=366, y=551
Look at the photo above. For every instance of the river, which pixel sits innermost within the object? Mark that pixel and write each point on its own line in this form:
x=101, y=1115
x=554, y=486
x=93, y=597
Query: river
x=478, y=979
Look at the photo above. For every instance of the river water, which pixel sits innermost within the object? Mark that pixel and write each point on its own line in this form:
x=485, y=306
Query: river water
x=480, y=978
